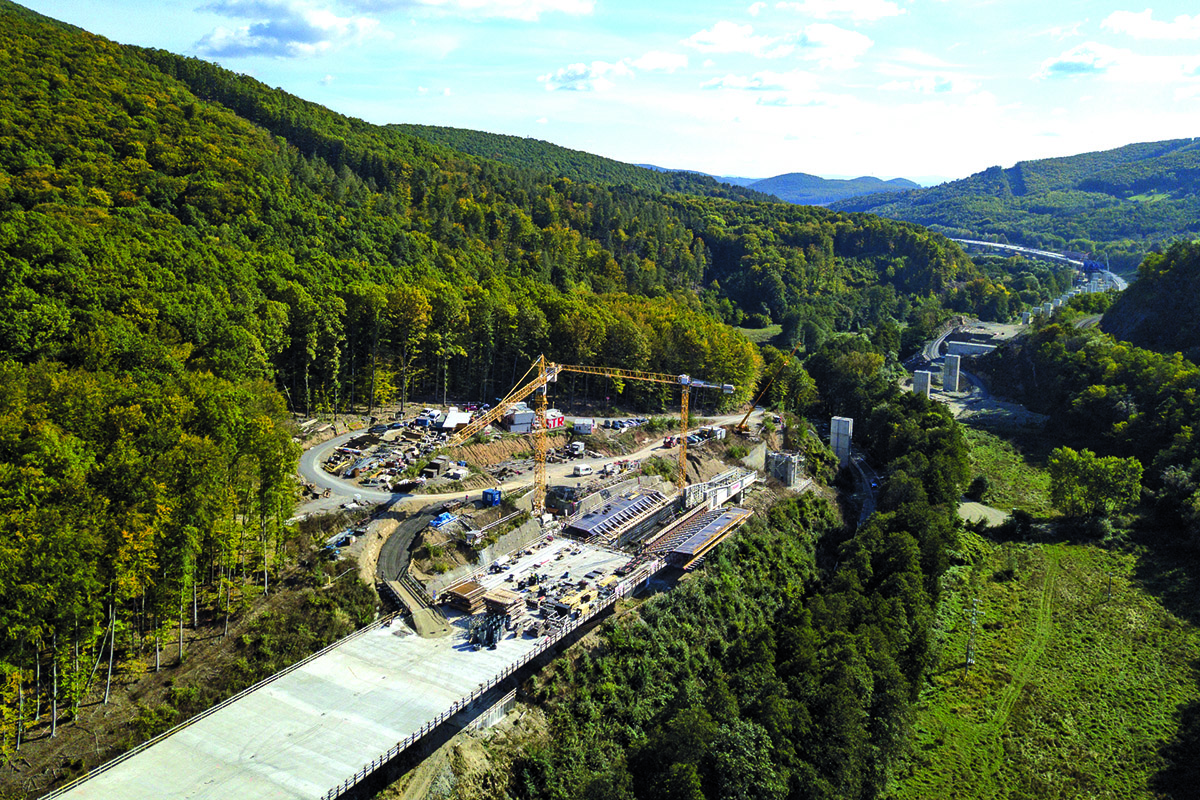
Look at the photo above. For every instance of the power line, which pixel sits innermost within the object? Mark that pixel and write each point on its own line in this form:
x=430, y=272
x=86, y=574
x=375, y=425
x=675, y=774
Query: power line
x=971, y=638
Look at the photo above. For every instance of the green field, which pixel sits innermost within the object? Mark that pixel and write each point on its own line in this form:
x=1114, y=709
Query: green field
x=760, y=335
x=1149, y=197
x=1072, y=694
x=1018, y=479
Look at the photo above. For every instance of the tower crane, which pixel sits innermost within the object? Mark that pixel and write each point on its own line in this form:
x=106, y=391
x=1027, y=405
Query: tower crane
x=686, y=384
x=545, y=373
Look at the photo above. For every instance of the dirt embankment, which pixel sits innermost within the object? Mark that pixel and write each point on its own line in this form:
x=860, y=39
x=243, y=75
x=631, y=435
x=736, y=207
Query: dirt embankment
x=504, y=448
x=472, y=766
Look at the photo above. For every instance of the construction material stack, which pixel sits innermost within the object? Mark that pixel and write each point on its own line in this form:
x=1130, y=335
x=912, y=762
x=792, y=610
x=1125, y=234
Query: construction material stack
x=467, y=597
x=503, y=603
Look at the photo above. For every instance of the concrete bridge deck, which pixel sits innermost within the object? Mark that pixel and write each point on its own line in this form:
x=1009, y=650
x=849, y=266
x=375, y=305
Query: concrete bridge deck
x=318, y=729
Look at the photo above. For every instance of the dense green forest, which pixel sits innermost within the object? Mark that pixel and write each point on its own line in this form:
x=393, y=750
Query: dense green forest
x=187, y=256
x=561, y=162
x=1150, y=311
x=1117, y=204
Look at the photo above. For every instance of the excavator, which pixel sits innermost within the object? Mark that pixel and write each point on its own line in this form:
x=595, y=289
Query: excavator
x=743, y=426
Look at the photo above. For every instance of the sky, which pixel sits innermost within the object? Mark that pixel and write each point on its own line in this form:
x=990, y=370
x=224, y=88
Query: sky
x=923, y=89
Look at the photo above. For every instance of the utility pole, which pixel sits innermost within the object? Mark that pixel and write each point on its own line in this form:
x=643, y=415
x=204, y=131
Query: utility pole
x=971, y=638
x=1109, y=586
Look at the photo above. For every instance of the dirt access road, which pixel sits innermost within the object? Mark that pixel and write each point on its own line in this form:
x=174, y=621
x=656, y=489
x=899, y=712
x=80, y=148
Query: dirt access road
x=342, y=490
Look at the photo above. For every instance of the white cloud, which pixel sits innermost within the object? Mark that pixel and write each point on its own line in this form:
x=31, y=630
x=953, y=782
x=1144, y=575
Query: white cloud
x=909, y=55
x=932, y=84
x=541, y=120
x=446, y=92
x=658, y=61
x=596, y=77
x=857, y=10
x=755, y=8
x=729, y=37
x=527, y=10
x=765, y=80
x=708, y=62
x=828, y=44
x=1121, y=65
x=1142, y=25
x=328, y=79
x=1089, y=58
x=282, y=28
x=832, y=46
x=1062, y=31
x=793, y=88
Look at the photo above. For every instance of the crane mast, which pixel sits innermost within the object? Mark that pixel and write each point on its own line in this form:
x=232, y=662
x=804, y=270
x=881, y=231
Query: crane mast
x=545, y=373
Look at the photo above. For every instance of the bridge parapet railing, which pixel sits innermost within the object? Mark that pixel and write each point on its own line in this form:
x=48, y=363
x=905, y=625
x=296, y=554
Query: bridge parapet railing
x=479, y=691
x=214, y=709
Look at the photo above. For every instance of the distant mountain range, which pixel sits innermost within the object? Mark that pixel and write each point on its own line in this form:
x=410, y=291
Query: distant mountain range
x=797, y=187
x=810, y=190
x=1120, y=203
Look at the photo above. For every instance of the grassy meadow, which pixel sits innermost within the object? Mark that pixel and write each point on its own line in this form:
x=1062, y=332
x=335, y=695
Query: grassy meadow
x=1071, y=695
x=1017, y=478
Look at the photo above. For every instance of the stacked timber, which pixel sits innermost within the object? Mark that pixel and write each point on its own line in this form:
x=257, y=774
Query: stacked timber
x=504, y=603
x=467, y=597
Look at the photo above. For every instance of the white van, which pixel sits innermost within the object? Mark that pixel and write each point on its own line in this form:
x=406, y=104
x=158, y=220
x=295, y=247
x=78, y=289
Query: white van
x=581, y=470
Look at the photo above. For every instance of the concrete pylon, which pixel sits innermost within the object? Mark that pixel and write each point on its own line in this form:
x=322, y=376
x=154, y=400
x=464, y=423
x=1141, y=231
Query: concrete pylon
x=841, y=431
x=950, y=370
x=922, y=379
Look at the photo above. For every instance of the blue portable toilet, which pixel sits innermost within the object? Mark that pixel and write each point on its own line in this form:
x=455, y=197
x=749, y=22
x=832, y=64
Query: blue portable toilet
x=491, y=497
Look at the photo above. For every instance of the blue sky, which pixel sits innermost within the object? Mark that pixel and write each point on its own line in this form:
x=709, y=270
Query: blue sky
x=924, y=89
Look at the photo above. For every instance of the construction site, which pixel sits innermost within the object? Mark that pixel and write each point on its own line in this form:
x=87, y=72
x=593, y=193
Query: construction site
x=640, y=523
x=461, y=638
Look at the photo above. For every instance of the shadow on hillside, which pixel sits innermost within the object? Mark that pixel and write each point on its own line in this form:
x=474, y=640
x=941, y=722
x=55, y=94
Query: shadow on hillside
x=1180, y=778
x=1169, y=570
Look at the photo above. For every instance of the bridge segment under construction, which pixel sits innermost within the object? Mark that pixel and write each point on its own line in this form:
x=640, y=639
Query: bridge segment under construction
x=316, y=730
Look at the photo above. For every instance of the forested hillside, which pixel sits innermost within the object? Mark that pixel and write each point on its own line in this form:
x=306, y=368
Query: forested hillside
x=1115, y=203
x=187, y=255
x=1158, y=310
x=1115, y=399
x=562, y=162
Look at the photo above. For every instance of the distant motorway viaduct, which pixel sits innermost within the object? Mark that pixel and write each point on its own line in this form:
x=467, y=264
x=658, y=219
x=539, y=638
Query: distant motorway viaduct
x=1119, y=282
